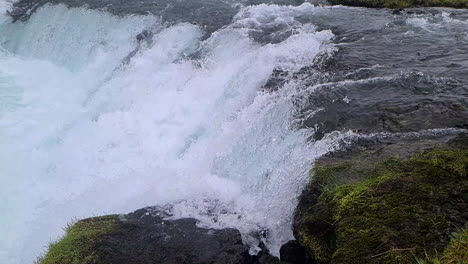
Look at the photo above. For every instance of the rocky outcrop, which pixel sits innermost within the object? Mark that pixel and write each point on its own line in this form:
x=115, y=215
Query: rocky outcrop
x=394, y=200
x=145, y=237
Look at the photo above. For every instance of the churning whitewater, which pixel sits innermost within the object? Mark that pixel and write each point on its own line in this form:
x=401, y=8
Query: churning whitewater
x=107, y=114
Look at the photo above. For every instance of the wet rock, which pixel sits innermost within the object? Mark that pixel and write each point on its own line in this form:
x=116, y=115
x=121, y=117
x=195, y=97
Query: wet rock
x=397, y=11
x=144, y=35
x=264, y=257
x=292, y=252
x=277, y=79
x=145, y=237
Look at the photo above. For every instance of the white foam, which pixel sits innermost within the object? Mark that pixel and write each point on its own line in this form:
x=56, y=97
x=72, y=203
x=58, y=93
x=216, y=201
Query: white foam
x=436, y=22
x=84, y=134
x=419, y=22
x=5, y=5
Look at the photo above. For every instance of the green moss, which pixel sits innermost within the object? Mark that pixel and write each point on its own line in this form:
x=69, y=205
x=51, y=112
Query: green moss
x=403, y=3
x=317, y=248
x=457, y=251
x=399, y=210
x=80, y=240
x=326, y=175
x=318, y=235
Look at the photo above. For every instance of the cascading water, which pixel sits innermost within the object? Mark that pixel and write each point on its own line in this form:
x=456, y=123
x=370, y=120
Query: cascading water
x=95, y=121
x=204, y=106
x=5, y=6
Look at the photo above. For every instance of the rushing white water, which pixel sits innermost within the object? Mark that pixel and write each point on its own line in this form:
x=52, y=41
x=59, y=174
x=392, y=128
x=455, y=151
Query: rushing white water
x=5, y=5
x=183, y=122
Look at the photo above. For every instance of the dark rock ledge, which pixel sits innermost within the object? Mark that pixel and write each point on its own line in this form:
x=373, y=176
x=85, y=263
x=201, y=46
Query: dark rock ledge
x=145, y=237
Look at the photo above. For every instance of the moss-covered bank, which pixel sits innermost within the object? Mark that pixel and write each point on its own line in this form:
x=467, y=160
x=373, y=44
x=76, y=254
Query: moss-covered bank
x=79, y=244
x=455, y=252
x=403, y=3
x=399, y=210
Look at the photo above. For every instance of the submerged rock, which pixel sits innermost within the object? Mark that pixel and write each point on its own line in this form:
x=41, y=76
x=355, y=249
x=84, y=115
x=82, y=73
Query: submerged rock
x=388, y=201
x=402, y=103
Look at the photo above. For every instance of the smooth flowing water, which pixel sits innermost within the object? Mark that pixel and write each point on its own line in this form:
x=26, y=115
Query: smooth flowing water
x=107, y=108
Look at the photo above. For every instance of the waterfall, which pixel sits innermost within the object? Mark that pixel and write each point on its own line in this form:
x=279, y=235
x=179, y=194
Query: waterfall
x=102, y=114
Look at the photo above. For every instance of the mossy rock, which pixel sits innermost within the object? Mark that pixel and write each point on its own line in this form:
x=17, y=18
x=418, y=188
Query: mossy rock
x=403, y=3
x=146, y=236
x=398, y=210
x=457, y=251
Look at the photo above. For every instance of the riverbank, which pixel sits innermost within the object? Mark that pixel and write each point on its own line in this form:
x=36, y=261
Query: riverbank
x=388, y=201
